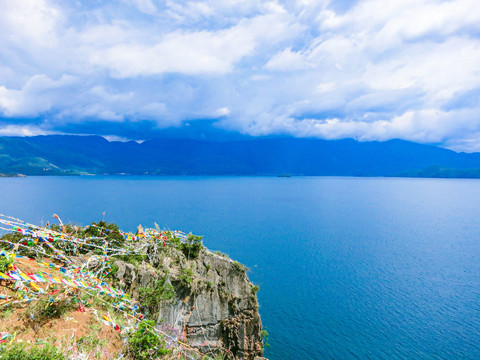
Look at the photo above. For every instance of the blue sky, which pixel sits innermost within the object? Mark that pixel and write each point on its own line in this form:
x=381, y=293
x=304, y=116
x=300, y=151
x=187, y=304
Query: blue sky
x=367, y=69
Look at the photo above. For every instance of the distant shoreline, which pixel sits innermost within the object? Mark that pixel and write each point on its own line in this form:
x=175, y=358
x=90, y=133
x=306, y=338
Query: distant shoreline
x=88, y=155
x=12, y=175
x=401, y=176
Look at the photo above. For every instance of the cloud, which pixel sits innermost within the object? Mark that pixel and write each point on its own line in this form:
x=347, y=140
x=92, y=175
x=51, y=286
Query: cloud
x=23, y=130
x=36, y=97
x=366, y=69
x=193, y=52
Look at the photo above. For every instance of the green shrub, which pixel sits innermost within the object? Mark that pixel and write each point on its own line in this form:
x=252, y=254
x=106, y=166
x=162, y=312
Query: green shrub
x=135, y=260
x=5, y=261
x=239, y=267
x=145, y=343
x=152, y=297
x=175, y=241
x=264, y=336
x=108, y=231
x=219, y=253
x=186, y=275
x=13, y=237
x=192, y=246
x=43, y=310
x=113, y=271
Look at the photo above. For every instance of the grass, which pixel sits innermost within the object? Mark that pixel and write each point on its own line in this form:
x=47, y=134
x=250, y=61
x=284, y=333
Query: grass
x=145, y=343
x=43, y=310
x=20, y=351
x=6, y=313
x=91, y=343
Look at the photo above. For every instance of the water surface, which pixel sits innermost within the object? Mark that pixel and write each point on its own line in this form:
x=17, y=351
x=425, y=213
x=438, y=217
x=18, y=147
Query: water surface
x=349, y=268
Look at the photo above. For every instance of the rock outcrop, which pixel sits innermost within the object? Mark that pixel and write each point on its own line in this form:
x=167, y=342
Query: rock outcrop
x=208, y=301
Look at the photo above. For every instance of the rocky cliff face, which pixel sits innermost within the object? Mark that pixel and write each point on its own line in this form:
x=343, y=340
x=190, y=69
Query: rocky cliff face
x=206, y=300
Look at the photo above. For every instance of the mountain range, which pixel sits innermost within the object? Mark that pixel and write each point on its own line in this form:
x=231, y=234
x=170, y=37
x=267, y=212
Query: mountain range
x=77, y=155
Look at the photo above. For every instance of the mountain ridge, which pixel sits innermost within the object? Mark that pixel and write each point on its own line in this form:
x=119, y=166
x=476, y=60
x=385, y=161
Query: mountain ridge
x=80, y=155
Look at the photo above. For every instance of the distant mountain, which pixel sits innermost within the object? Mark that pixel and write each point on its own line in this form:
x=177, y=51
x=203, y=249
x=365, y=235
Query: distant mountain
x=73, y=155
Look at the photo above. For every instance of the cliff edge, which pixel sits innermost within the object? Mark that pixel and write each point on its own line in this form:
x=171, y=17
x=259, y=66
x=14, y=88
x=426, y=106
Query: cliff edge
x=160, y=294
x=206, y=300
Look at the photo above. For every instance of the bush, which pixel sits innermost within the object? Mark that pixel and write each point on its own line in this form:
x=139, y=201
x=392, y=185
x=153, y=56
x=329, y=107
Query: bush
x=264, y=336
x=145, y=343
x=239, y=267
x=108, y=231
x=186, y=275
x=152, y=297
x=5, y=262
x=133, y=259
x=13, y=237
x=192, y=246
x=43, y=310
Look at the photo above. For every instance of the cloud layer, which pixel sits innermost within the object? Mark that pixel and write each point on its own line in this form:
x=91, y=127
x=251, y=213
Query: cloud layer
x=367, y=69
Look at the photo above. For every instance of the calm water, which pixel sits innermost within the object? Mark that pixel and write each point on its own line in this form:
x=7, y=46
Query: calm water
x=349, y=268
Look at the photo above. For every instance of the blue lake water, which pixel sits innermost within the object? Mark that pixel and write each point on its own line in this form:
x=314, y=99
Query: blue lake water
x=349, y=268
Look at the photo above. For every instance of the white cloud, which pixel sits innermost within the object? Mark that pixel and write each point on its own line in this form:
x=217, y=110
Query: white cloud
x=23, y=130
x=376, y=70
x=29, y=23
x=36, y=97
x=224, y=111
x=199, y=52
x=286, y=60
x=145, y=6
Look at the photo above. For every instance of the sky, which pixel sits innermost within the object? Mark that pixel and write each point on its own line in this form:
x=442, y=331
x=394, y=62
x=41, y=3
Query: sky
x=127, y=69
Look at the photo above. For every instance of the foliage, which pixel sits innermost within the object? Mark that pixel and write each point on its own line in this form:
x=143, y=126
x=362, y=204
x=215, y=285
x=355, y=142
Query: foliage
x=5, y=262
x=19, y=351
x=264, y=336
x=239, y=267
x=152, y=297
x=209, y=285
x=109, y=231
x=254, y=288
x=6, y=313
x=13, y=237
x=113, y=271
x=145, y=343
x=175, y=241
x=43, y=310
x=134, y=259
x=219, y=253
x=104, y=231
x=91, y=343
x=186, y=275
x=192, y=246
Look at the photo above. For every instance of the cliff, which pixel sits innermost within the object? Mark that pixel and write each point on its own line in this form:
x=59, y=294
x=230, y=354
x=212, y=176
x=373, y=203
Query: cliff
x=212, y=304
x=160, y=294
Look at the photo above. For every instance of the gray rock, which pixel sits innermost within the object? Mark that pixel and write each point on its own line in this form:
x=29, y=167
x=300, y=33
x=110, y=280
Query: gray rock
x=216, y=309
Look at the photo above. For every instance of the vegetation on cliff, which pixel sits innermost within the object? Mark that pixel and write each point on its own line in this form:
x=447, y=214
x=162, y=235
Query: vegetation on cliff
x=97, y=292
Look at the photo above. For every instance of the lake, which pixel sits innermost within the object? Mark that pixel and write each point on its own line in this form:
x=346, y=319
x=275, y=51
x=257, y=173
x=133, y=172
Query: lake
x=348, y=268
